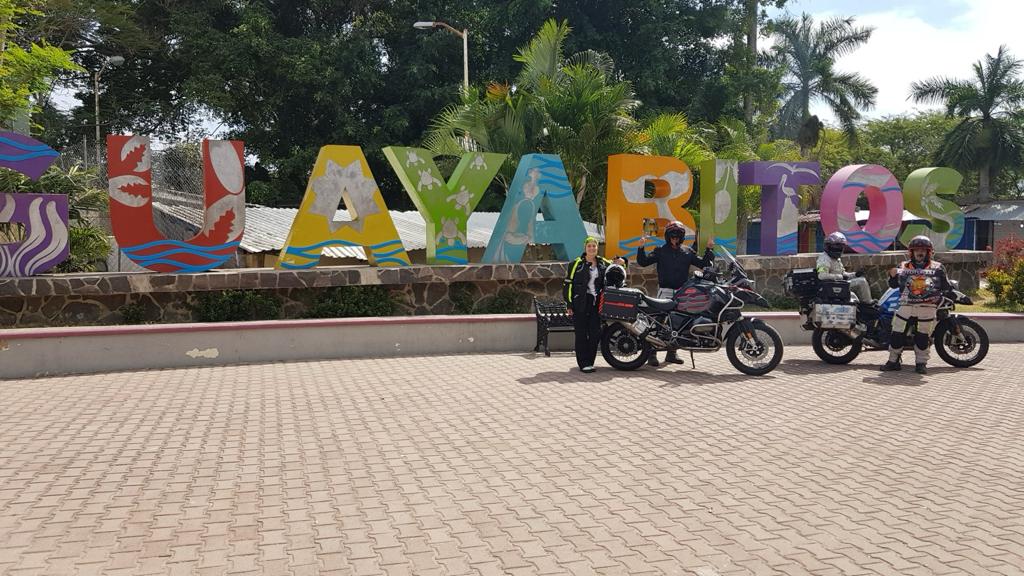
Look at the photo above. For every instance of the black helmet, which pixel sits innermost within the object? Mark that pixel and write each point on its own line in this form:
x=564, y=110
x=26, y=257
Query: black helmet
x=921, y=242
x=835, y=244
x=615, y=276
x=675, y=228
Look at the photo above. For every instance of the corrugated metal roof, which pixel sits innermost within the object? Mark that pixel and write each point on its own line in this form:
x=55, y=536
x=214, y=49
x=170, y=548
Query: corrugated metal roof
x=996, y=211
x=266, y=227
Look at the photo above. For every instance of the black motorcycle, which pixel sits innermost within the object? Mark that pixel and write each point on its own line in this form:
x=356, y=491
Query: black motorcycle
x=704, y=315
x=843, y=327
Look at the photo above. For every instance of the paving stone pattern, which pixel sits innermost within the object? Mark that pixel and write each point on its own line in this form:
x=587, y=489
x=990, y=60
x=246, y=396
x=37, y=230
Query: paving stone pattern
x=514, y=464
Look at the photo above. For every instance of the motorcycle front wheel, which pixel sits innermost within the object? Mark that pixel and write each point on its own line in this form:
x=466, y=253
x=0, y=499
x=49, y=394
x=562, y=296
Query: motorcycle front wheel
x=624, y=350
x=834, y=347
x=757, y=355
x=961, y=350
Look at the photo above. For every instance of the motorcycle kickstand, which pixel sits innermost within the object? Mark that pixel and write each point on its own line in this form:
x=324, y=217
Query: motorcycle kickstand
x=692, y=361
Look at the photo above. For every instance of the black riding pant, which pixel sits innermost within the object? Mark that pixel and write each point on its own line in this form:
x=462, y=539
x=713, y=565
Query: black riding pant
x=588, y=329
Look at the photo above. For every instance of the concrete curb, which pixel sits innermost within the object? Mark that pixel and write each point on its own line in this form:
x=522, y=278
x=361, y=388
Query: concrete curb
x=34, y=352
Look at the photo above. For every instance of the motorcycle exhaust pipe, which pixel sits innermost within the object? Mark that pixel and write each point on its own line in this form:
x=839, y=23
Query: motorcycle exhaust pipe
x=657, y=342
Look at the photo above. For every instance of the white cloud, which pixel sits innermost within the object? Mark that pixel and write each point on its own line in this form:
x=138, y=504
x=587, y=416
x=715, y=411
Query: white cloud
x=905, y=48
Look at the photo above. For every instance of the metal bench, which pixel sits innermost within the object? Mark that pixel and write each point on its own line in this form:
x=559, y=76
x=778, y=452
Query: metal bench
x=551, y=317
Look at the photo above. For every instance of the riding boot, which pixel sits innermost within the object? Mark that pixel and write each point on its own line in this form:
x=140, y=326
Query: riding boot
x=893, y=365
x=672, y=358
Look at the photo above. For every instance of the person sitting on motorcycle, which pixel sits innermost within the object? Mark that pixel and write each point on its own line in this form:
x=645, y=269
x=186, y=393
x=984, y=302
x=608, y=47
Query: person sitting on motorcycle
x=674, y=260
x=830, y=267
x=921, y=282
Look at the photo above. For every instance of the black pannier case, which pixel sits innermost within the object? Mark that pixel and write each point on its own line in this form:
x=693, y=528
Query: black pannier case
x=801, y=282
x=834, y=292
x=619, y=304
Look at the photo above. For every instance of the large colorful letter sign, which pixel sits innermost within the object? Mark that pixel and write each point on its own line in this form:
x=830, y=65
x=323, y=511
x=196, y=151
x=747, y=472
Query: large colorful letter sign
x=45, y=216
x=718, y=198
x=540, y=184
x=628, y=204
x=885, y=201
x=780, y=203
x=445, y=206
x=342, y=172
x=46, y=244
x=921, y=194
x=26, y=155
x=131, y=207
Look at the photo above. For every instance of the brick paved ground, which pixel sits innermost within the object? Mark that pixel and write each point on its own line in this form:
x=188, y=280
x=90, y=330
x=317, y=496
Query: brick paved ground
x=513, y=465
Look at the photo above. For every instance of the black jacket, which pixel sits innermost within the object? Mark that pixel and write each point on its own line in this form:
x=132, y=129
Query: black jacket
x=578, y=276
x=673, y=264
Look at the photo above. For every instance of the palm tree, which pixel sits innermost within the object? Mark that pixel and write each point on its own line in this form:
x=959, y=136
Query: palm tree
x=673, y=135
x=808, y=53
x=576, y=107
x=989, y=138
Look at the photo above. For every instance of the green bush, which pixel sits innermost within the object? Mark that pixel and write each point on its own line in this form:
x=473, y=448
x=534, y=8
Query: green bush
x=132, y=313
x=998, y=282
x=352, y=302
x=461, y=295
x=782, y=302
x=506, y=301
x=236, y=305
x=1015, y=291
x=89, y=245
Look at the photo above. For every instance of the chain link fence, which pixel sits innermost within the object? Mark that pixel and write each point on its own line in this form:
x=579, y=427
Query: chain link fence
x=177, y=178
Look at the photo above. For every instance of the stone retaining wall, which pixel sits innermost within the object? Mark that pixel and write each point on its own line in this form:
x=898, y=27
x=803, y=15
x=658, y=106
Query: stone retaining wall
x=67, y=300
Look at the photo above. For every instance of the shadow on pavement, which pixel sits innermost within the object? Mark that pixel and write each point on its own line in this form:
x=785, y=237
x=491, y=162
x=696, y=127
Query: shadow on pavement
x=668, y=377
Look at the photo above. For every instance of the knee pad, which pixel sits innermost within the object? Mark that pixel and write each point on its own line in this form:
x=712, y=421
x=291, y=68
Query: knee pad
x=922, y=340
x=897, y=340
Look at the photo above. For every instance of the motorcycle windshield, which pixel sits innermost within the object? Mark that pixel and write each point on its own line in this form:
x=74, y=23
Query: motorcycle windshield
x=731, y=260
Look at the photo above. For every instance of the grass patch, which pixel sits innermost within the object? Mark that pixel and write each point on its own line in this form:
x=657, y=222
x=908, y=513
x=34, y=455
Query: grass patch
x=985, y=301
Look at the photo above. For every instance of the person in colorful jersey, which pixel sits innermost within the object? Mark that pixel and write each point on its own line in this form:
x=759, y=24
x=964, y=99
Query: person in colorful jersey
x=921, y=281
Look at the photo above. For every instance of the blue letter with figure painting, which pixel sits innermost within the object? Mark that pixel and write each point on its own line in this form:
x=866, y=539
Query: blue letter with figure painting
x=540, y=184
x=780, y=203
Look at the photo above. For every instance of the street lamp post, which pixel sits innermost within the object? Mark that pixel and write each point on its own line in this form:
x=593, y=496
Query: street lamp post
x=464, y=34
x=108, y=61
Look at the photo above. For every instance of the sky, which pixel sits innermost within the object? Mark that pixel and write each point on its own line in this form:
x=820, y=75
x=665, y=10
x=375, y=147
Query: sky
x=918, y=39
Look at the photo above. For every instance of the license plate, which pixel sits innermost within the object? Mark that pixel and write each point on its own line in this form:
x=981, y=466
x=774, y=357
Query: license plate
x=835, y=315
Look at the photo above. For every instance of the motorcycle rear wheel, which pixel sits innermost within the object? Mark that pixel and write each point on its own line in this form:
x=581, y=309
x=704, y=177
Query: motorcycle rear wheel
x=835, y=347
x=624, y=350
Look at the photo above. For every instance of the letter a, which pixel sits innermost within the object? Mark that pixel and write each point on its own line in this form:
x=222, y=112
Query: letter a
x=342, y=172
x=540, y=184
x=131, y=207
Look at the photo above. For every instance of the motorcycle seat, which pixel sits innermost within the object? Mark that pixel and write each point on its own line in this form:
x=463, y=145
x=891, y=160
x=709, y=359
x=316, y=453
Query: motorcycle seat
x=661, y=304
